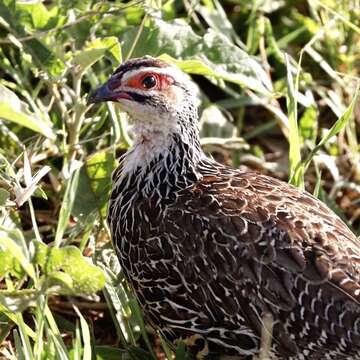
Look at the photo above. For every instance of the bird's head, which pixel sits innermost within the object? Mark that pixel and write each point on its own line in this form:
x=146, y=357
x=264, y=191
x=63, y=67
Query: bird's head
x=151, y=91
x=162, y=103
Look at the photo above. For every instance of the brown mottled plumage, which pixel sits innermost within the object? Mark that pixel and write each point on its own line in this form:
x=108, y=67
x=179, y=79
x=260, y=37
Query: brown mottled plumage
x=210, y=249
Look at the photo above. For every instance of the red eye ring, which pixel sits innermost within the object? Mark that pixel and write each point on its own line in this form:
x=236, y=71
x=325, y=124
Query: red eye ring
x=149, y=81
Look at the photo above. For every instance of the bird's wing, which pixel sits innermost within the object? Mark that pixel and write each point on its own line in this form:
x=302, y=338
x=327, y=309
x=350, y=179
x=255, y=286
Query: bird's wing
x=250, y=236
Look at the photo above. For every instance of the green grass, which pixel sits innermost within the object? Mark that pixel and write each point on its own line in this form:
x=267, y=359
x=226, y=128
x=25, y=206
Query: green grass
x=279, y=84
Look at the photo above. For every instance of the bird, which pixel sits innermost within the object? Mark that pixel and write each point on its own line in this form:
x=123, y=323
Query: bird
x=210, y=250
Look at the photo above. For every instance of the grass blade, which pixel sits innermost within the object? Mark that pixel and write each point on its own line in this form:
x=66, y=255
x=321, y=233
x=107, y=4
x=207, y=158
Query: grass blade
x=85, y=331
x=296, y=177
x=66, y=207
x=334, y=130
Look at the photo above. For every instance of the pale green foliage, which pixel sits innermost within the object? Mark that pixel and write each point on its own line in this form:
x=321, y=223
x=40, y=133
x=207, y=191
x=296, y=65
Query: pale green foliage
x=292, y=115
x=13, y=109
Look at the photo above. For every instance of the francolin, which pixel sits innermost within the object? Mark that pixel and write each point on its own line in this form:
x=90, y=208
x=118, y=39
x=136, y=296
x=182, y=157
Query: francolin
x=210, y=250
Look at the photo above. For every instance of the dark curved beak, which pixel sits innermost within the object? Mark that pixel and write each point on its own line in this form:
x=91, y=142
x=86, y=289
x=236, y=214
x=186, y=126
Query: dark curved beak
x=106, y=92
x=101, y=94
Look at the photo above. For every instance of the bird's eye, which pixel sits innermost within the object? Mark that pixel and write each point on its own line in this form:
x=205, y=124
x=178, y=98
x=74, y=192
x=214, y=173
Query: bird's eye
x=149, y=82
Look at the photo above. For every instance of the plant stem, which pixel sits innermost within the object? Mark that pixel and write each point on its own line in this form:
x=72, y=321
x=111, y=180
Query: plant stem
x=77, y=119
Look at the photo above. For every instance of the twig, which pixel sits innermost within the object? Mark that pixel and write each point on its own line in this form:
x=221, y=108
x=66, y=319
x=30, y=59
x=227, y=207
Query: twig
x=137, y=37
x=77, y=120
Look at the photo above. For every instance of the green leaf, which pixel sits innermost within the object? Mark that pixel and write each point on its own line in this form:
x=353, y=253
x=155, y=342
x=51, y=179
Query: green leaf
x=95, y=50
x=60, y=278
x=166, y=347
x=211, y=54
x=66, y=206
x=308, y=124
x=4, y=196
x=273, y=46
x=26, y=345
x=85, y=203
x=137, y=353
x=8, y=242
x=81, y=276
x=9, y=264
x=99, y=168
x=296, y=177
x=12, y=316
x=109, y=353
x=9, y=261
x=20, y=20
x=55, y=335
x=94, y=185
x=77, y=350
x=218, y=20
x=38, y=15
x=135, y=308
x=182, y=352
x=335, y=129
x=85, y=336
x=17, y=301
x=15, y=110
x=18, y=346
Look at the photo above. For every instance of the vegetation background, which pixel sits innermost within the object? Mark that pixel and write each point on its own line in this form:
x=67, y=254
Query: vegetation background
x=277, y=82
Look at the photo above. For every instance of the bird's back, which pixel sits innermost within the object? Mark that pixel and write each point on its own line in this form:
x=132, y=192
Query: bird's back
x=213, y=258
x=281, y=251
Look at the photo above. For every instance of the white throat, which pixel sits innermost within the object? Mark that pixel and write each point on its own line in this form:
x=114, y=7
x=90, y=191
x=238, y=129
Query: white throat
x=171, y=148
x=151, y=140
x=154, y=132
